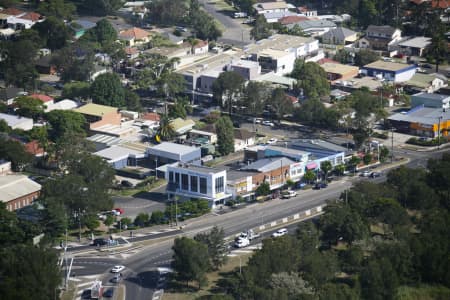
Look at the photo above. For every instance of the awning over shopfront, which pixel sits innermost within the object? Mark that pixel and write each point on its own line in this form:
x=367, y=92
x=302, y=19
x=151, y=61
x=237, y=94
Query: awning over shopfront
x=311, y=165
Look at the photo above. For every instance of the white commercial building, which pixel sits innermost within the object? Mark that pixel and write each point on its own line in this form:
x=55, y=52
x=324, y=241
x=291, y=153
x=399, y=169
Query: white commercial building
x=197, y=182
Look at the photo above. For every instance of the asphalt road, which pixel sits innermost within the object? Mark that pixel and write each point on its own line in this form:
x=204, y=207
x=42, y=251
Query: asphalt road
x=140, y=276
x=234, y=32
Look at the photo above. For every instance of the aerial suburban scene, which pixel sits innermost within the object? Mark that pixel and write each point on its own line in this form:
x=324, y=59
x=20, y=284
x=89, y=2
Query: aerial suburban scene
x=225, y=149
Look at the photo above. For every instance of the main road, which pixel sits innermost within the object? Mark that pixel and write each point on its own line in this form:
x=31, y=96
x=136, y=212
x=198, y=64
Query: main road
x=140, y=277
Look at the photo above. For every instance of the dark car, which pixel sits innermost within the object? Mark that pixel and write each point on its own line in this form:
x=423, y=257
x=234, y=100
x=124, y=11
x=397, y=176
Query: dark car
x=375, y=174
x=99, y=242
x=427, y=66
x=320, y=185
x=86, y=294
x=127, y=184
x=108, y=293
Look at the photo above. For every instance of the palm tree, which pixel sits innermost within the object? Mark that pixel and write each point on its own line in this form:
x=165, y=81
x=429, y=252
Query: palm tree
x=166, y=130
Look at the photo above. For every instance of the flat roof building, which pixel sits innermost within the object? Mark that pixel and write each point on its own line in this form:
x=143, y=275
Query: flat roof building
x=167, y=152
x=390, y=71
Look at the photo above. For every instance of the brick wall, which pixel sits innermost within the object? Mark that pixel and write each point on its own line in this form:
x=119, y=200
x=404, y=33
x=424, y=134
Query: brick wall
x=21, y=201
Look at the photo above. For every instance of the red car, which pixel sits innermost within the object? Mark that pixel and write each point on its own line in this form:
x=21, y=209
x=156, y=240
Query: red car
x=119, y=211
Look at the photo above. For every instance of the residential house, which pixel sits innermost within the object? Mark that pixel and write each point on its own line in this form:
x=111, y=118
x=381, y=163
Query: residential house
x=65, y=104
x=430, y=100
x=337, y=71
x=273, y=170
x=135, y=36
x=389, y=71
x=17, y=122
x=292, y=19
x=181, y=126
x=415, y=46
x=5, y=167
x=428, y=83
x=99, y=115
x=45, y=99
x=271, y=7
x=132, y=52
x=200, y=47
x=9, y=94
x=380, y=37
x=18, y=191
x=274, y=17
x=24, y=20
x=304, y=10
x=339, y=36
x=44, y=65
x=314, y=27
x=243, y=139
x=202, y=137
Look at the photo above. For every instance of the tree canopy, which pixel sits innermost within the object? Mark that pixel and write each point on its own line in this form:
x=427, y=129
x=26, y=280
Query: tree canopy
x=107, y=89
x=225, y=135
x=227, y=88
x=312, y=79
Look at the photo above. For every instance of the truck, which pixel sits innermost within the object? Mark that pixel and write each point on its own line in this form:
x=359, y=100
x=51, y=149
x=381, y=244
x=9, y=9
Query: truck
x=249, y=234
x=240, y=15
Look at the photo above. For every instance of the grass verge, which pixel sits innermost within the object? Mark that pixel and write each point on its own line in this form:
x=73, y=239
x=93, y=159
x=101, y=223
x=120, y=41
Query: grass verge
x=423, y=292
x=190, y=293
x=69, y=294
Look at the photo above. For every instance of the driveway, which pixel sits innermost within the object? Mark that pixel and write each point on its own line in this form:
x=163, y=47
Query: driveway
x=143, y=203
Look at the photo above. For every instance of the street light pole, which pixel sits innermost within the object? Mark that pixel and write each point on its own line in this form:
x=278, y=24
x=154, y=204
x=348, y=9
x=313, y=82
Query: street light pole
x=392, y=144
x=79, y=224
x=439, y=132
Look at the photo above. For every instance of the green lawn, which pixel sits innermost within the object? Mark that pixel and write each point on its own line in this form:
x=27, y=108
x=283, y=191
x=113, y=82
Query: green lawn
x=424, y=292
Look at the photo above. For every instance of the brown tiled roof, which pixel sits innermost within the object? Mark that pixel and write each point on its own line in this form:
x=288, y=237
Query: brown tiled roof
x=134, y=32
x=151, y=116
x=12, y=11
x=42, y=97
x=292, y=19
x=32, y=16
x=201, y=44
x=131, y=50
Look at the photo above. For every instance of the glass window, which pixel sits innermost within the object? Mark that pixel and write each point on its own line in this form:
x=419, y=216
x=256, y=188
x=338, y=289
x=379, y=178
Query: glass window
x=171, y=176
x=219, y=185
x=194, y=183
x=177, y=177
x=185, y=182
x=202, y=185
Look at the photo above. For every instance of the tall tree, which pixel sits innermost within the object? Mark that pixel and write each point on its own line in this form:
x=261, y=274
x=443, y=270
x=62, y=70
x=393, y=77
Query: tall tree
x=165, y=131
x=190, y=260
x=66, y=123
x=225, y=135
x=107, y=89
x=365, y=56
x=57, y=8
x=255, y=97
x=29, y=107
x=312, y=79
x=280, y=103
x=227, y=88
x=261, y=29
x=15, y=152
x=54, y=32
x=28, y=272
x=217, y=248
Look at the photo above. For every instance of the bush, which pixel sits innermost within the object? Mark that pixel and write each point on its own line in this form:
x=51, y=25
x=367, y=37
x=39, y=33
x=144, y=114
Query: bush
x=383, y=136
x=427, y=143
x=157, y=217
x=141, y=220
x=263, y=189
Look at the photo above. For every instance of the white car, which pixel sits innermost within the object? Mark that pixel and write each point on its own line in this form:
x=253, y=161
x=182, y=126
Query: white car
x=280, y=232
x=288, y=194
x=272, y=141
x=366, y=173
x=268, y=123
x=257, y=120
x=117, y=269
x=241, y=243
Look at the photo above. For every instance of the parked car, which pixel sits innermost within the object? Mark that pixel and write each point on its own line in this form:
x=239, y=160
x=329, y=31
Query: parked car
x=117, y=269
x=268, y=123
x=100, y=242
x=272, y=141
x=118, y=211
x=366, y=173
x=375, y=174
x=242, y=242
x=126, y=183
x=288, y=194
x=280, y=232
x=320, y=185
x=257, y=120
x=108, y=293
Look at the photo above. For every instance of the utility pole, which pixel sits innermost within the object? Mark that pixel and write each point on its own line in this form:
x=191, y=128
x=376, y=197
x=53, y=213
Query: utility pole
x=79, y=224
x=439, y=132
x=392, y=144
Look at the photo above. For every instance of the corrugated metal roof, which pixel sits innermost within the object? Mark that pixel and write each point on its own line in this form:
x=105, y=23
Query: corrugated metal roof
x=16, y=186
x=268, y=164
